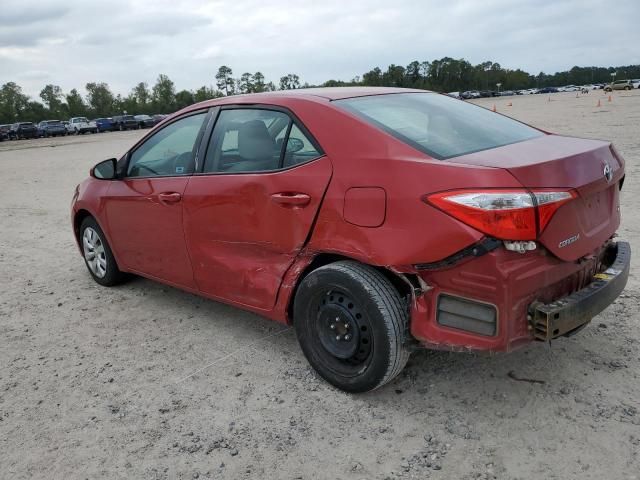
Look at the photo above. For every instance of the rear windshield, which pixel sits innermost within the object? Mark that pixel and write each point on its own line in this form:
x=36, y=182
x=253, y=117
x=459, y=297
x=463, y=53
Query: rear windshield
x=438, y=125
x=128, y=117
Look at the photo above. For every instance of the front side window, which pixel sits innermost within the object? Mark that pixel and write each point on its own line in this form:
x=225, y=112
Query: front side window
x=169, y=152
x=438, y=125
x=256, y=140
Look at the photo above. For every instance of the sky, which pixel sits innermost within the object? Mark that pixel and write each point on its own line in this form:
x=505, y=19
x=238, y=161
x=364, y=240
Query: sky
x=73, y=42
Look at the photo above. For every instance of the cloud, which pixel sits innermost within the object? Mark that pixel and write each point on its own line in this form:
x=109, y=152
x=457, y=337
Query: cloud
x=124, y=42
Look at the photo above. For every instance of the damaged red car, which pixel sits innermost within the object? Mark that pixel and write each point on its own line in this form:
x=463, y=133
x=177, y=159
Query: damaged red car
x=374, y=220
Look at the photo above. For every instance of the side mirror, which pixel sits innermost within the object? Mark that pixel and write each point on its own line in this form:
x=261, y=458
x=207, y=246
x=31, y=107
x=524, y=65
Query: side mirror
x=294, y=145
x=105, y=170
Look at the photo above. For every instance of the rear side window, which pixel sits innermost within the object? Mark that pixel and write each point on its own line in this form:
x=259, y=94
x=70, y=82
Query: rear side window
x=437, y=125
x=256, y=140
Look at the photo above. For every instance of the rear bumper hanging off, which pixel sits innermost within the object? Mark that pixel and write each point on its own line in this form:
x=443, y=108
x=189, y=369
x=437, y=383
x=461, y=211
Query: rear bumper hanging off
x=570, y=313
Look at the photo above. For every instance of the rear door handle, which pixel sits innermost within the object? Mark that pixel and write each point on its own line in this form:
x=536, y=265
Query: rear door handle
x=169, y=197
x=292, y=199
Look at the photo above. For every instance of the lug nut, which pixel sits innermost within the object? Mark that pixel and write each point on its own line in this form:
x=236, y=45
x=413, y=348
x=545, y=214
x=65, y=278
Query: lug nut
x=346, y=326
x=347, y=337
x=338, y=337
x=332, y=326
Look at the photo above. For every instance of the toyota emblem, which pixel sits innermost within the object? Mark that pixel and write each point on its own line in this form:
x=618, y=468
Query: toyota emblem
x=608, y=172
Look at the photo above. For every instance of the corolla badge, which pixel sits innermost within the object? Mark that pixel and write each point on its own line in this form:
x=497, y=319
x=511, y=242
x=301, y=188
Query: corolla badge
x=569, y=241
x=608, y=172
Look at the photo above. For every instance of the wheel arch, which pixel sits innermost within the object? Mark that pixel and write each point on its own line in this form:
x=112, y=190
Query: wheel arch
x=408, y=285
x=78, y=218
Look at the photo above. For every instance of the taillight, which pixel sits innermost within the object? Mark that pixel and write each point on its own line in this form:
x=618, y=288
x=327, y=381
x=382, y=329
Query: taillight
x=507, y=214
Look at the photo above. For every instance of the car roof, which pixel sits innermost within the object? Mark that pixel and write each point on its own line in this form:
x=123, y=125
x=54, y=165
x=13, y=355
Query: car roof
x=326, y=93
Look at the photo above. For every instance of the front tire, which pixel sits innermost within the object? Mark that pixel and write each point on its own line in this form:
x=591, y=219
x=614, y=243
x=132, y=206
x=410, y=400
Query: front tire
x=98, y=255
x=351, y=324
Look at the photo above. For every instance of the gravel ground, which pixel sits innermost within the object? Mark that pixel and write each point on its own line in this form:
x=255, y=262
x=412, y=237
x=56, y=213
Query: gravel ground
x=145, y=381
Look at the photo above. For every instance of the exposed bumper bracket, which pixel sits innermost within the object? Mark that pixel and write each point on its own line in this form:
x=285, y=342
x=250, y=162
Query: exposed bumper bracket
x=574, y=311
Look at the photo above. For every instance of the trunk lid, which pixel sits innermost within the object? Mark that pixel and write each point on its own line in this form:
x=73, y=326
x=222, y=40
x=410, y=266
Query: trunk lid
x=583, y=224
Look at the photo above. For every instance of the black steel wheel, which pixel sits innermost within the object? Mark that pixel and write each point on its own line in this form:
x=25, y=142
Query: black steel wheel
x=351, y=324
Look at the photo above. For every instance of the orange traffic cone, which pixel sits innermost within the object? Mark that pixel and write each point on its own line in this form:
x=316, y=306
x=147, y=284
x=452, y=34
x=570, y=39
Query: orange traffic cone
x=494, y=108
x=598, y=105
x=609, y=97
x=509, y=104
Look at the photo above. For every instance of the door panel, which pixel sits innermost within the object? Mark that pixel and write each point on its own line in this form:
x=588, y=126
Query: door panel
x=145, y=222
x=243, y=231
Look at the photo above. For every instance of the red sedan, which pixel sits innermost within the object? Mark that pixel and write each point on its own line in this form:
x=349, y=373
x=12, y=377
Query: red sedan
x=374, y=220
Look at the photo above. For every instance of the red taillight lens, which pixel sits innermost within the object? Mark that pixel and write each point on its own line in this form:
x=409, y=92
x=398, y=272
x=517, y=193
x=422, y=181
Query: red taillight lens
x=504, y=214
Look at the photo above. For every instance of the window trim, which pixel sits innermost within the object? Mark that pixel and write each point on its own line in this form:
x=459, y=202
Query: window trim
x=204, y=145
x=194, y=151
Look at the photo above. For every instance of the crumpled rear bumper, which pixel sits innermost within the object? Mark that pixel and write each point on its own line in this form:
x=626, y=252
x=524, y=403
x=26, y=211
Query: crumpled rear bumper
x=500, y=301
x=570, y=313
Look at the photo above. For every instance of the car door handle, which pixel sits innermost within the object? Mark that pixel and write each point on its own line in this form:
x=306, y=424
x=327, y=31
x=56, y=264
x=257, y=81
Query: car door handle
x=172, y=197
x=293, y=199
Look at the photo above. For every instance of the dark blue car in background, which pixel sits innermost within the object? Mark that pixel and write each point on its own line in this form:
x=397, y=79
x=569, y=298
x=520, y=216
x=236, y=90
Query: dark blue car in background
x=51, y=128
x=104, y=124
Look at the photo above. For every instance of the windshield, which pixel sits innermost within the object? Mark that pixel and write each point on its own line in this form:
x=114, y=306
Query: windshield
x=128, y=117
x=53, y=122
x=438, y=125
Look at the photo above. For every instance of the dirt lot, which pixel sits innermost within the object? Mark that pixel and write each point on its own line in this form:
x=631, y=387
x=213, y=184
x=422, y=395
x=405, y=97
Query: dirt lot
x=144, y=381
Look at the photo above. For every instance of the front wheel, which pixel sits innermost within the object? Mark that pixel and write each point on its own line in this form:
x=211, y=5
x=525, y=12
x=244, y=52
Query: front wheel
x=97, y=254
x=351, y=324
x=627, y=87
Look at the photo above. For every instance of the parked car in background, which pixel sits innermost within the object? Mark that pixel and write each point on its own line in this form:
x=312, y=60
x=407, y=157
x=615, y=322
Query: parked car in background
x=145, y=121
x=469, y=231
x=548, y=90
x=125, y=122
x=4, y=132
x=158, y=117
x=635, y=83
x=470, y=94
x=104, y=124
x=23, y=130
x=78, y=125
x=454, y=94
x=619, y=85
x=51, y=128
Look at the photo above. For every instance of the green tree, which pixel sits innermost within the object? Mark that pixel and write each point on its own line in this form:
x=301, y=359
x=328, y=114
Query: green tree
x=52, y=97
x=245, y=84
x=142, y=97
x=99, y=98
x=373, y=78
x=258, y=82
x=184, y=98
x=13, y=102
x=289, y=82
x=164, y=95
x=75, y=104
x=225, y=81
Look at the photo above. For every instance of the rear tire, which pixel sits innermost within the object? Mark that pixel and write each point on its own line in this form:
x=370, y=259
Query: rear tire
x=98, y=256
x=351, y=324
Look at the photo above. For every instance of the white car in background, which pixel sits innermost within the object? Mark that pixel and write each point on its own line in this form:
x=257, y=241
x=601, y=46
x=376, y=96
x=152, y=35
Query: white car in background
x=78, y=125
x=635, y=83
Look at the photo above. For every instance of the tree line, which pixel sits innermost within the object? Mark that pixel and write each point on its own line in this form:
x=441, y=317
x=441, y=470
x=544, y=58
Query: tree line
x=444, y=75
